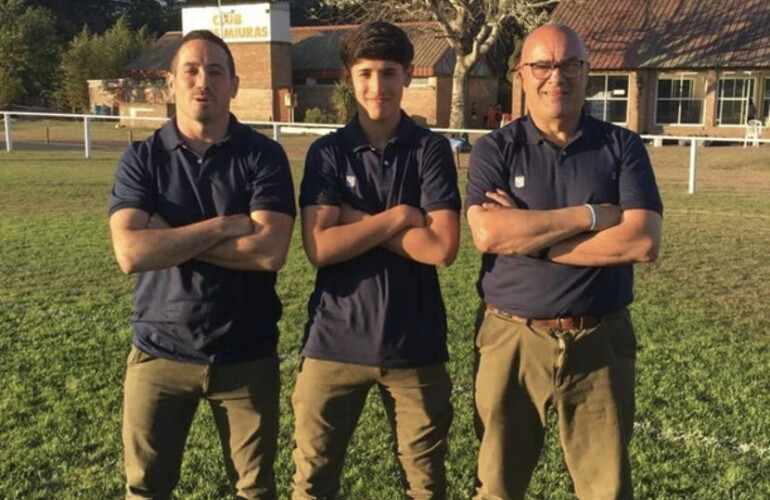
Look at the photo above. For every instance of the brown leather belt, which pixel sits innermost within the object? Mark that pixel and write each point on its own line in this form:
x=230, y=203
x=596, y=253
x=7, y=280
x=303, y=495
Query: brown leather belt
x=565, y=323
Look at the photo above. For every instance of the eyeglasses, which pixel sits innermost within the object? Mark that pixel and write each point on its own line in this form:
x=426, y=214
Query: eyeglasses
x=568, y=69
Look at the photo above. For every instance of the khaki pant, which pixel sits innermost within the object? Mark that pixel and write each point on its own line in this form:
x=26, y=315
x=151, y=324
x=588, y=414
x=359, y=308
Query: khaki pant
x=161, y=397
x=328, y=400
x=586, y=375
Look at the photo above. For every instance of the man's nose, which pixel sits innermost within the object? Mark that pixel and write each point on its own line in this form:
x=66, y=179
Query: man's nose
x=556, y=74
x=202, y=79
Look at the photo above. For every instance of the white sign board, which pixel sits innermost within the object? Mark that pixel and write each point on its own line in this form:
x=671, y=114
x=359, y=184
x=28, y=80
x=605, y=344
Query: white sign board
x=259, y=22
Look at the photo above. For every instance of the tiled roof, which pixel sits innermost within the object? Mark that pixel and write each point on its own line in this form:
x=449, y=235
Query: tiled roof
x=671, y=34
x=316, y=48
x=155, y=62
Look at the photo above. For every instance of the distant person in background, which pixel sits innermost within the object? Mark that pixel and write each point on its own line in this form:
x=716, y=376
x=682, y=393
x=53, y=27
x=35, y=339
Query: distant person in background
x=202, y=212
x=498, y=116
x=751, y=111
x=474, y=116
x=561, y=205
x=491, y=117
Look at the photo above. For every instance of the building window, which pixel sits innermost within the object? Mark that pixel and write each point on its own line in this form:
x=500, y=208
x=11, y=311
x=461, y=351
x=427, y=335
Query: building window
x=420, y=82
x=607, y=98
x=326, y=81
x=766, y=105
x=734, y=100
x=679, y=99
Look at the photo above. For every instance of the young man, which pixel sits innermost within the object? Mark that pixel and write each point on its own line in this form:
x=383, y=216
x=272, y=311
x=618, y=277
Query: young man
x=562, y=205
x=202, y=211
x=379, y=211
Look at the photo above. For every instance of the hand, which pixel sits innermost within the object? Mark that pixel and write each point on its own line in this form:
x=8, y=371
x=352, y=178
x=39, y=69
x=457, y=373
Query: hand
x=412, y=216
x=607, y=216
x=349, y=215
x=236, y=225
x=500, y=199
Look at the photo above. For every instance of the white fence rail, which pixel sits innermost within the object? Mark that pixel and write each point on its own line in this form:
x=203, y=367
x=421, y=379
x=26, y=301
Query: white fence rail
x=322, y=128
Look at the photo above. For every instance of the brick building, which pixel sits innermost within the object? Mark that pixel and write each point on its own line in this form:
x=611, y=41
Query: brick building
x=674, y=67
x=275, y=62
x=317, y=68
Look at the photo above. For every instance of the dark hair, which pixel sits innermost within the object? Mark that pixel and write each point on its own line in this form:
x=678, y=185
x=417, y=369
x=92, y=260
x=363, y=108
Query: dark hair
x=209, y=37
x=380, y=41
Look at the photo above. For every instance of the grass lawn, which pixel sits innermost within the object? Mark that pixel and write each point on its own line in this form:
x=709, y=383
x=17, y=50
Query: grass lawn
x=701, y=312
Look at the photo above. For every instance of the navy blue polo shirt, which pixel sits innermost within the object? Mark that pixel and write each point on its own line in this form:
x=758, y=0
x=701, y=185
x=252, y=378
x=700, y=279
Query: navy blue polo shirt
x=379, y=309
x=603, y=163
x=199, y=312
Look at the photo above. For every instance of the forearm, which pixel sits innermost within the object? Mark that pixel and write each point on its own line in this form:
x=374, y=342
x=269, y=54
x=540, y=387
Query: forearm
x=436, y=244
x=512, y=231
x=263, y=250
x=140, y=250
x=344, y=242
x=635, y=240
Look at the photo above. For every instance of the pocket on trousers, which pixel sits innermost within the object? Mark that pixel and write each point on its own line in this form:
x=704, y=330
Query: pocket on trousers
x=621, y=337
x=137, y=356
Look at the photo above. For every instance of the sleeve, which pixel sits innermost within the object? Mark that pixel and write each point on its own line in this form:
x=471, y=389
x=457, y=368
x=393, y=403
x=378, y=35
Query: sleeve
x=636, y=183
x=486, y=171
x=319, y=181
x=439, y=177
x=134, y=186
x=273, y=186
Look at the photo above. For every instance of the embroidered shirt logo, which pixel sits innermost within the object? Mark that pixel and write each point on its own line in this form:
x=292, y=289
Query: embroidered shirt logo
x=351, y=180
x=518, y=181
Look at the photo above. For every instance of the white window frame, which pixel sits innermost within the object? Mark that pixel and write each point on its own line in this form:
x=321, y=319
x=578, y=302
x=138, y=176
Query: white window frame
x=747, y=94
x=694, y=79
x=608, y=97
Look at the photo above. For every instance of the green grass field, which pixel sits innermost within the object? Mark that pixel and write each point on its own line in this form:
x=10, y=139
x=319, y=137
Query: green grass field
x=701, y=311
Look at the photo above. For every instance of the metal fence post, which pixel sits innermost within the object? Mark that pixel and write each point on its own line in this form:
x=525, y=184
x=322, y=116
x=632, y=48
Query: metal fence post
x=693, y=163
x=8, y=134
x=276, y=132
x=87, y=135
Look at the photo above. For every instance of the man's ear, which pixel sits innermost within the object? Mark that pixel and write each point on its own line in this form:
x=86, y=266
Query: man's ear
x=409, y=73
x=347, y=79
x=234, y=85
x=170, y=82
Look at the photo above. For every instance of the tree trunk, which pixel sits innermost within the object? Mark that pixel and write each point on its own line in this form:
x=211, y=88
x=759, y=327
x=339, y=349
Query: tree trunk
x=459, y=94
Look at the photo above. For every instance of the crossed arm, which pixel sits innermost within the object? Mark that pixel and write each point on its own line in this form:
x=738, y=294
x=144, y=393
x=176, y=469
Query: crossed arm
x=619, y=237
x=145, y=243
x=333, y=234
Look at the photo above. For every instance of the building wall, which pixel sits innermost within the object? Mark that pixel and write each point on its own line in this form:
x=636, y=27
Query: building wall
x=138, y=110
x=104, y=95
x=312, y=96
x=421, y=103
x=262, y=69
x=482, y=91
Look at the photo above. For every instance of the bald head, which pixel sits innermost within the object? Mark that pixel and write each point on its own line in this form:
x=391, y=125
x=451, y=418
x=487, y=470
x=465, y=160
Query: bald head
x=554, y=76
x=551, y=37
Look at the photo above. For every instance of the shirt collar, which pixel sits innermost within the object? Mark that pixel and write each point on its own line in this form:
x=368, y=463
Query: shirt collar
x=405, y=132
x=171, y=138
x=587, y=127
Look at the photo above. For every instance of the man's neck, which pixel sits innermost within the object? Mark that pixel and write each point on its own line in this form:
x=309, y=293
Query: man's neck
x=378, y=133
x=200, y=136
x=557, y=131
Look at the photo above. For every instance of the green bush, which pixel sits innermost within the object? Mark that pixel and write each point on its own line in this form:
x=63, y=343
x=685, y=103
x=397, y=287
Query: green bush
x=318, y=115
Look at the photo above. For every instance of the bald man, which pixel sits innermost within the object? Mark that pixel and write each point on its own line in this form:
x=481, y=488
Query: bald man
x=561, y=205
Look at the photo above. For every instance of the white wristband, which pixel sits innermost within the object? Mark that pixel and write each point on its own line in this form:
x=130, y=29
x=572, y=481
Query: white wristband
x=593, y=217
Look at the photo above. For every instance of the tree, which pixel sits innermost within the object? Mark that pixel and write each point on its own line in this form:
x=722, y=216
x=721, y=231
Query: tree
x=343, y=102
x=97, y=57
x=471, y=28
x=29, y=52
